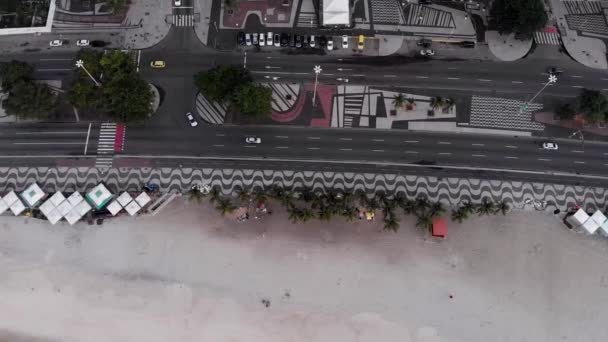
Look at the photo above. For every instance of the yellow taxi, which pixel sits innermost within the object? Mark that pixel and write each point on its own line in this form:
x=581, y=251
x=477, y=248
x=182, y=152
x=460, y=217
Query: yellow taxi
x=361, y=43
x=157, y=64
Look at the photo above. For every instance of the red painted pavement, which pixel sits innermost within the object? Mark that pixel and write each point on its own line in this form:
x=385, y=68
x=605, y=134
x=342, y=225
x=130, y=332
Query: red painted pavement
x=295, y=111
x=119, y=139
x=326, y=94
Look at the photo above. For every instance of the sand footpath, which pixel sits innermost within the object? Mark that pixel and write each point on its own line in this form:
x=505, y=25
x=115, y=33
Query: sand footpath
x=190, y=275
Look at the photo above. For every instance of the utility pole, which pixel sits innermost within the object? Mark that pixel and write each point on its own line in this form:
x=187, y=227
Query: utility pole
x=80, y=65
x=317, y=69
x=245, y=61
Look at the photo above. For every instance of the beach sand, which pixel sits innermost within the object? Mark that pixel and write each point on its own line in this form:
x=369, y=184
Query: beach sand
x=188, y=274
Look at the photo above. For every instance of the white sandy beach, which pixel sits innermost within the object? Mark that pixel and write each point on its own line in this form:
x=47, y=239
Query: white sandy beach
x=190, y=275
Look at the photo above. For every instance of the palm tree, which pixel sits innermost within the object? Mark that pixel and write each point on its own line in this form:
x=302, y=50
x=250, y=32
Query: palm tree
x=350, y=213
x=436, y=209
x=286, y=198
x=260, y=196
x=307, y=195
x=398, y=101
x=448, y=104
x=244, y=195
x=194, y=195
x=306, y=214
x=391, y=223
x=503, y=207
x=276, y=191
x=293, y=213
x=460, y=215
x=421, y=205
x=487, y=207
x=468, y=207
x=424, y=221
x=225, y=206
x=325, y=213
x=215, y=195
x=436, y=102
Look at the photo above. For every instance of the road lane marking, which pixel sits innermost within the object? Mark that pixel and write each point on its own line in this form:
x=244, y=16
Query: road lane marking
x=346, y=149
x=390, y=75
x=359, y=75
x=577, y=151
x=422, y=77
x=544, y=159
x=453, y=78
x=48, y=143
x=377, y=139
x=45, y=70
x=444, y=153
x=345, y=139
x=577, y=86
x=314, y=138
x=479, y=155
x=43, y=132
x=604, y=79
x=218, y=145
x=411, y=152
x=56, y=59
x=478, y=144
x=281, y=136
x=281, y=147
x=484, y=80
x=509, y=157
x=220, y=135
x=510, y=146
x=249, y=146
x=444, y=143
x=579, y=162
x=411, y=141
x=517, y=82
x=377, y=150
x=314, y=148
x=576, y=76
x=86, y=145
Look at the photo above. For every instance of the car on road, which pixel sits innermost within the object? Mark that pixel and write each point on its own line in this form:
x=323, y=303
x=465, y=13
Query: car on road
x=269, y=39
x=247, y=39
x=99, y=43
x=549, y=146
x=277, y=40
x=298, y=41
x=254, y=39
x=56, y=42
x=424, y=42
x=345, y=42
x=241, y=38
x=427, y=52
x=177, y=2
x=322, y=42
x=312, y=43
x=253, y=140
x=82, y=42
x=361, y=42
x=157, y=64
x=262, y=40
x=468, y=44
x=554, y=70
x=284, y=39
x=330, y=44
x=191, y=119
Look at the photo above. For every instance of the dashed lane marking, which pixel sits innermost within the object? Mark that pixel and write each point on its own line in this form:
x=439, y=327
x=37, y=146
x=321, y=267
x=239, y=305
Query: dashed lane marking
x=509, y=157
x=479, y=155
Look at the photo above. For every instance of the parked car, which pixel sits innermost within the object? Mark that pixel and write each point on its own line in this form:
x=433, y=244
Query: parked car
x=298, y=41
x=241, y=38
x=191, y=119
x=269, y=39
x=247, y=39
x=312, y=43
x=292, y=40
x=554, y=70
x=177, y=3
x=253, y=140
x=56, y=42
x=427, y=52
x=262, y=40
x=424, y=43
x=305, y=41
x=284, y=39
x=99, y=43
x=549, y=146
x=157, y=64
x=322, y=42
x=361, y=42
x=254, y=39
x=467, y=44
x=345, y=42
x=82, y=42
x=330, y=44
x=277, y=40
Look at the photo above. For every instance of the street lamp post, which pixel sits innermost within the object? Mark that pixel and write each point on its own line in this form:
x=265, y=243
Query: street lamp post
x=80, y=64
x=552, y=79
x=317, y=69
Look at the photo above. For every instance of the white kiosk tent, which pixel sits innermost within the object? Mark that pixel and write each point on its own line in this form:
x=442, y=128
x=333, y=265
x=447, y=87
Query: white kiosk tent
x=72, y=209
x=99, y=196
x=598, y=217
x=14, y=203
x=3, y=206
x=335, y=13
x=578, y=218
x=32, y=195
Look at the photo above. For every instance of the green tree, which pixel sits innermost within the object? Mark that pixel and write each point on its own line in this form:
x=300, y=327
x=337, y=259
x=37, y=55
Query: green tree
x=436, y=102
x=117, y=5
x=593, y=105
x=254, y=100
x=128, y=98
x=486, y=207
x=220, y=83
x=460, y=215
x=503, y=207
x=436, y=209
x=424, y=221
x=565, y=111
x=398, y=101
x=448, y=104
x=29, y=100
x=14, y=72
x=215, y=195
x=225, y=206
x=91, y=60
x=522, y=17
x=118, y=64
x=306, y=214
x=194, y=195
x=84, y=93
x=293, y=213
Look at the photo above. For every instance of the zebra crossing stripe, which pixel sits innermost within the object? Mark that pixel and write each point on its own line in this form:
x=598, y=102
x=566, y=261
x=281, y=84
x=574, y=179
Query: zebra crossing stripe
x=547, y=38
x=183, y=20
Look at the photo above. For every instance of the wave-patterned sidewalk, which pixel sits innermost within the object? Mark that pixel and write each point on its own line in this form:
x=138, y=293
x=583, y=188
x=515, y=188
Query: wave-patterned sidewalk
x=450, y=191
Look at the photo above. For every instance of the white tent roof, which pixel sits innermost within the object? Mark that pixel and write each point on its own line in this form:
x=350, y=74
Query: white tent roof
x=10, y=198
x=336, y=12
x=114, y=208
x=590, y=226
x=82, y=208
x=578, y=218
x=73, y=216
x=57, y=198
x=17, y=207
x=47, y=206
x=32, y=195
x=3, y=206
x=99, y=196
x=64, y=208
x=75, y=198
x=604, y=228
x=142, y=199
x=132, y=208
x=53, y=216
x=124, y=199
x=598, y=217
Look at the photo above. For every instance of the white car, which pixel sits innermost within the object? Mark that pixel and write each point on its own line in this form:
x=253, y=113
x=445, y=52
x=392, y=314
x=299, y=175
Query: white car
x=312, y=41
x=262, y=40
x=345, y=42
x=193, y=121
x=254, y=39
x=549, y=146
x=82, y=42
x=277, y=40
x=56, y=42
x=427, y=52
x=330, y=44
x=177, y=3
x=247, y=39
x=253, y=140
x=269, y=39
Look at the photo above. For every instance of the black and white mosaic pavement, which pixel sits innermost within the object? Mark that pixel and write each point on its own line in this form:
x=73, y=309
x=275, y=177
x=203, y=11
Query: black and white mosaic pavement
x=451, y=191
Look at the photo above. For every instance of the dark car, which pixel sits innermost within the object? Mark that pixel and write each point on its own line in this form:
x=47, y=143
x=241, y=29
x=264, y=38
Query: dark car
x=99, y=43
x=467, y=44
x=298, y=41
x=241, y=38
x=424, y=43
x=292, y=40
x=304, y=41
x=322, y=42
x=554, y=70
x=284, y=39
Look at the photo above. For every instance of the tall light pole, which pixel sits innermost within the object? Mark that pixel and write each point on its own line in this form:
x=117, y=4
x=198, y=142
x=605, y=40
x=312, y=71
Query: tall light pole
x=80, y=65
x=317, y=69
x=552, y=79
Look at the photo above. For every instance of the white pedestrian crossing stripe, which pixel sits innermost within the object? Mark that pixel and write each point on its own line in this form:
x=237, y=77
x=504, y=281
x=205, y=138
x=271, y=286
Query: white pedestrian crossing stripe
x=105, y=145
x=183, y=20
x=547, y=38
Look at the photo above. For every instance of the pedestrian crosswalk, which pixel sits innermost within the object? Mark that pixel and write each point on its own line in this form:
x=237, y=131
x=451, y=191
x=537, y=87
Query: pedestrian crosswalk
x=547, y=38
x=307, y=20
x=419, y=15
x=183, y=20
x=105, y=145
x=353, y=104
